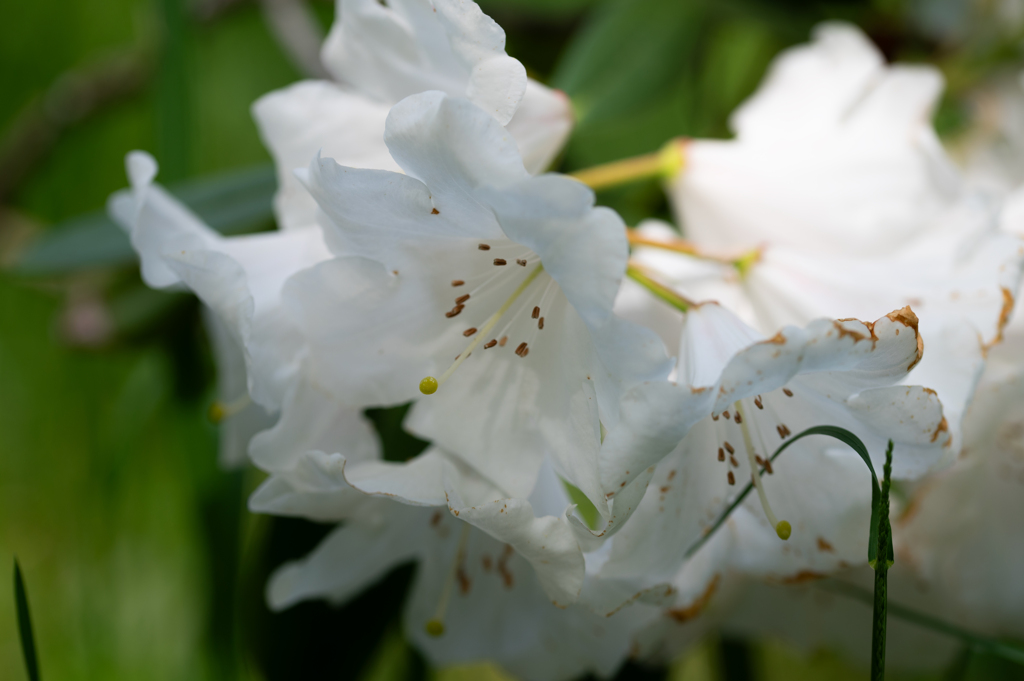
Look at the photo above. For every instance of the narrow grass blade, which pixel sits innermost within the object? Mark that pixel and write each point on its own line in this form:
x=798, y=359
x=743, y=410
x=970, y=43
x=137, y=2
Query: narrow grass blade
x=28, y=643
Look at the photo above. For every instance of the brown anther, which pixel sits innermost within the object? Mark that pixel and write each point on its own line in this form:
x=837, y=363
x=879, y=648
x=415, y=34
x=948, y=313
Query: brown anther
x=454, y=311
x=434, y=211
x=499, y=261
x=521, y=349
x=501, y=343
x=521, y=262
x=734, y=462
x=525, y=352
x=789, y=393
x=540, y=323
x=768, y=466
x=469, y=332
x=760, y=461
x=725, y=414
x=457, y=282
x=536, y=312
x=721, y=454
x=714, y=418
x=732, y=478
x=728, y=448
x=739, y=418
x=758, y=402
x=484, y=247
x=490, y=344
x=461, y=299
x=783, y=431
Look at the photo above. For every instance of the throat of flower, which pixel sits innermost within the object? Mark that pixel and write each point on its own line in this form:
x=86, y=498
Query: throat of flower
x=435, y=625
x=220, y=411
x=782, y=527
x=430, y=384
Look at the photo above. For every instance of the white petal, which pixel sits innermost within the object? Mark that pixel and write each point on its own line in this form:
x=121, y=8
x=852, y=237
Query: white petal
x=408, y=46
x=349, y=560
x=232, y=384
x=810, y=88
x=314, y=487
x=547, y=543
x=542, y=125
x=308, y=117
x=313, y=418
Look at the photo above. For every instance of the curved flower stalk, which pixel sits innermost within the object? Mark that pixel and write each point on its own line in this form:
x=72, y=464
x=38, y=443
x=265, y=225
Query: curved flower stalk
x=241, y=280
x=379, y=53
x=493, y=287
x=488, y=568
x=812, y=505
x=834, y=154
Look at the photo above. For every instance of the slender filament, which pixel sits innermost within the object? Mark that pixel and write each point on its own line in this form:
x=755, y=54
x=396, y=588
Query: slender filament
x=435, y=625
x=782, y=528
x=429, y=385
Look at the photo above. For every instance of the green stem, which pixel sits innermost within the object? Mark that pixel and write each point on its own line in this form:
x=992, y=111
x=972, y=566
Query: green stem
x=979, y=644
x=881, y=568
x=637, y=274
x=665, y=163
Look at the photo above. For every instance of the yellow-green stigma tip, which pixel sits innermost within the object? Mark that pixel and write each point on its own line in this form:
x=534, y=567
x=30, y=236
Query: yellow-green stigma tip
x=216, y=414
x=435, y=628
x=428, y=386
x=783, y=529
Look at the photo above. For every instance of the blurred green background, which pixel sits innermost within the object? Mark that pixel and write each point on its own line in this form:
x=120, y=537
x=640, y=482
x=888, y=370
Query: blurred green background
x=140, y=559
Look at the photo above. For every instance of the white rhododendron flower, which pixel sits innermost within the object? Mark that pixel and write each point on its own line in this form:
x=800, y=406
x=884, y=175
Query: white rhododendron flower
x=487, y=568
x=381, y=52
x=833, y=154
x=760, y=392
x=241, y=280
x=478, y=288
x=962, y=283
x=838, y=201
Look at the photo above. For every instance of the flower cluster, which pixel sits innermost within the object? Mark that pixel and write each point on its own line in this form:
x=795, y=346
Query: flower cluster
x=557, y=359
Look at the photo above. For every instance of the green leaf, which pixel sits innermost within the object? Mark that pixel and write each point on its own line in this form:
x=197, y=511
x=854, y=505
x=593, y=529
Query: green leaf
x=231, y=203
x=843, y=436
x=28, y=643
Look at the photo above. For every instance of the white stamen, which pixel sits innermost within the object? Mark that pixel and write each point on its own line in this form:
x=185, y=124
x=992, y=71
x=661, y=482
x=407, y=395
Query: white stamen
x=782, y=528
x=435, y=625
x=429, y=384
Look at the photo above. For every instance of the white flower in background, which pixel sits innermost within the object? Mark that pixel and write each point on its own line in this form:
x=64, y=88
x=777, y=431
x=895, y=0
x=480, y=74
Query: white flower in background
x=487, y=568
x=837, y=181
x=991, y=149
x=833, y=154
x=961, y=532
x=380, y=53
x=494, y=285
x=810, y=617
x=816, y=497
x=240, y=279
x=962, y=286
